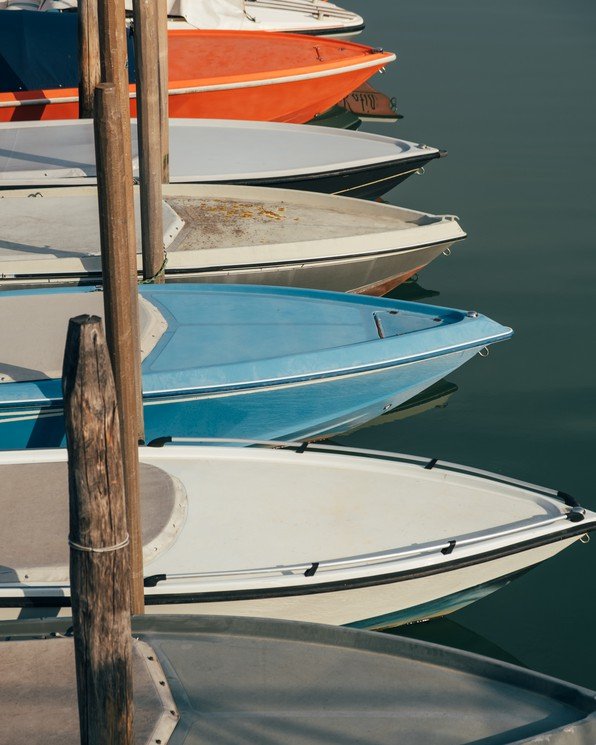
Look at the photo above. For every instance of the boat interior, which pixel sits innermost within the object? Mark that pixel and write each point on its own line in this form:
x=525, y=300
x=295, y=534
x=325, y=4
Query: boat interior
x=33, y=343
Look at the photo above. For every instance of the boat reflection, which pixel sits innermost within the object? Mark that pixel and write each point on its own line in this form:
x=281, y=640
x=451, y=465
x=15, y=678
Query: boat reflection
x=338, y=118
x=365, y=104
x=411, y=290
x=452, y=634
x=435, y=397
x=370, y=104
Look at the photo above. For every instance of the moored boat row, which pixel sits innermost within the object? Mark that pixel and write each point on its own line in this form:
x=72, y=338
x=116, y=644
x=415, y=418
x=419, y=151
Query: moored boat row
x=249, y=354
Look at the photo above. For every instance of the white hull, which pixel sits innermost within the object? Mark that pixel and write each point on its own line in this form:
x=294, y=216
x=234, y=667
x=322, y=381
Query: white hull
x=354, y=606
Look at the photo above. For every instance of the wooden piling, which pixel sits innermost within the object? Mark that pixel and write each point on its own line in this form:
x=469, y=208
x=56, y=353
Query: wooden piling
x=89, y=69
x=114, y=69
x=99, y=559
x=149, y=136
x=121, y=307
x=162, y=38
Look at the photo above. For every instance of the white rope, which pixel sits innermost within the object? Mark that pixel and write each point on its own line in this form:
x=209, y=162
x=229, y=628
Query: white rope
x=101, y=549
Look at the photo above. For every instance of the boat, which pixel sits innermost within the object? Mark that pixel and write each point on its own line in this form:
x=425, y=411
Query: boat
x=228, y=234
x=298, y=531
x=289, y=156
x=211, y=680
x=238, y=360
x=313, y=17
x=216, y=74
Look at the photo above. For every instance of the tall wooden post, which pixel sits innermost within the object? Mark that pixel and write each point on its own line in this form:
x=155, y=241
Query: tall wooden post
x=98, y=539
x=120, y=306
x=149, y=135
x=89, y=69
x=162, y=37
x=114, y=69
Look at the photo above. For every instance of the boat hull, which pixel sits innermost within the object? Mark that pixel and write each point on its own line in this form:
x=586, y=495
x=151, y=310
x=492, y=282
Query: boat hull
x=212, y=74
x=309, y=409
x=367, y=182
x=382, y=603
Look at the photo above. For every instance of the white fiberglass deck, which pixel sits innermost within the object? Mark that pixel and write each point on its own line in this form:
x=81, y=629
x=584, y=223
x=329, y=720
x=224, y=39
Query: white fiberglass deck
x=256, y=509
x=44, y=326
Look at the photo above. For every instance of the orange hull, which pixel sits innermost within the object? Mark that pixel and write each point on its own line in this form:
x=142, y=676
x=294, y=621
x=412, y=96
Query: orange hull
x=235, y=75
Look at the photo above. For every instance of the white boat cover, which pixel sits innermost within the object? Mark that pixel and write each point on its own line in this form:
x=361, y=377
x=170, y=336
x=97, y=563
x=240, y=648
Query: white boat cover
x=228, y=14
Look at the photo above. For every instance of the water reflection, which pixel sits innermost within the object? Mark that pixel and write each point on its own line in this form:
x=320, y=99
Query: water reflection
x=370, y=104
x=435, y=397
x=338, y=118
x=452, y=634
x=412, y=290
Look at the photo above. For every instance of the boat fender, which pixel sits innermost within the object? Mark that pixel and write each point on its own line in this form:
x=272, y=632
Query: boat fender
x=576, y=514
x=159, y=442
x=448, y=549
x=154, y=579
x=312, y=570
x=302, y=448
x=568, y=499
x=431, y=464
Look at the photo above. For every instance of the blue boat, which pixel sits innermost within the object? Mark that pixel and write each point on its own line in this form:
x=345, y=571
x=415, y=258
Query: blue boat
x=262, y=363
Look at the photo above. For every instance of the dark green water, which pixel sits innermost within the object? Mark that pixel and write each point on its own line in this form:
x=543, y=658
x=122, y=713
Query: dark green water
x=508, y=87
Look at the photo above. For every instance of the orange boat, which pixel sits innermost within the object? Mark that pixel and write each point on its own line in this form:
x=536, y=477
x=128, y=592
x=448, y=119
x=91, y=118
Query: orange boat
x=232, y=75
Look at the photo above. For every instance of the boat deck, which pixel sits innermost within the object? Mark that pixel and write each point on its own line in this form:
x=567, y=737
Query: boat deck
x=34, y=540
x=221, y=223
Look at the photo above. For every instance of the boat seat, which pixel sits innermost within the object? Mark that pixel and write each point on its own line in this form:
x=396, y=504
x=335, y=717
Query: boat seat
x=39, y=706
x=34, y=519
x=33, y=331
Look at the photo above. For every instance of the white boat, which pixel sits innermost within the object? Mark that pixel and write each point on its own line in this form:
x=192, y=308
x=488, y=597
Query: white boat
x=315, y=17
x=321, y=159
x=313, y=533
x=224, y=681
x=230, y=234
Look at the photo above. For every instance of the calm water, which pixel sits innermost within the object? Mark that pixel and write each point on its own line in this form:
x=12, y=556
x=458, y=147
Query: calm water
x=508, y=87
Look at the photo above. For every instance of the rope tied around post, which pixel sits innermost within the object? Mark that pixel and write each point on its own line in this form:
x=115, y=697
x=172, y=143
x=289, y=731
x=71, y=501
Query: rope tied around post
x=99, y=549
x=160, y=272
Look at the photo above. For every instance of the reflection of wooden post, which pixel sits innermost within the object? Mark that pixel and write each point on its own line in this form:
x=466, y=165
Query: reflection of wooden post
x=149, y=135
x=98, y=538
x=112, y=41
x=88, y=56
x=162, y=37
x=120, y=305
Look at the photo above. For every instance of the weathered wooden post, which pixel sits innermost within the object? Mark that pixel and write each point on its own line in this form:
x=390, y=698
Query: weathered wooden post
x=114, y=69
x=99, y=560
x=149, y=135
x=162, y=37
x=89, y=70
x=120, y=306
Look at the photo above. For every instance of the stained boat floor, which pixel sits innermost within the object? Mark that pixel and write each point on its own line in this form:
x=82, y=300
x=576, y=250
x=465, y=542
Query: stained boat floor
x=221, y=223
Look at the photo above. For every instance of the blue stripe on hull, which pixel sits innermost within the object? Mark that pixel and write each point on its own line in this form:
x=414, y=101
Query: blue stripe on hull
x=301, y=410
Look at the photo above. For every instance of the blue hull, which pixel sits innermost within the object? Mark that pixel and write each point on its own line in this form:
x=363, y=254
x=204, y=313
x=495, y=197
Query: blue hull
x=299, y=411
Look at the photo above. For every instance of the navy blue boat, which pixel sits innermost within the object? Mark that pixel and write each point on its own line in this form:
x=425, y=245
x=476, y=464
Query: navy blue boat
x=262, y=363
